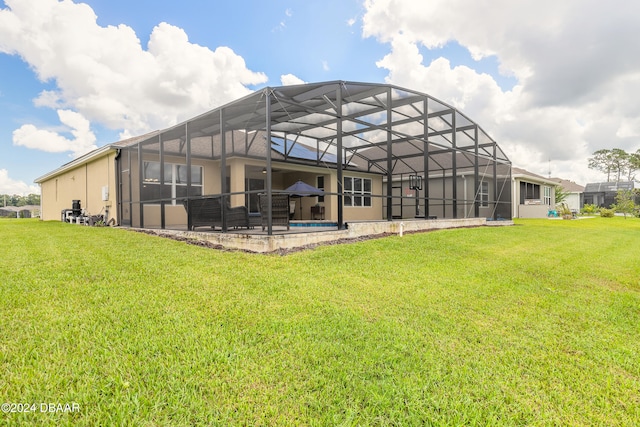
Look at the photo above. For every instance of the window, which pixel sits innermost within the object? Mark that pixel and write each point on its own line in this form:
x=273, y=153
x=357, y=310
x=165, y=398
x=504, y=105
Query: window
x=252, y=199
x=484, y=193
x=174, y=184
x=320, y=186
x=529, y=191
x=547, y=195
x=357, y=191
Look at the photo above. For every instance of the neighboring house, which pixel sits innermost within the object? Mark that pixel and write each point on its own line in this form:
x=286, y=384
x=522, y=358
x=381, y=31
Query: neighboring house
x=574, y=193
x=27, y=211
x=361, y=143
x=603, y=194
x=533, y=195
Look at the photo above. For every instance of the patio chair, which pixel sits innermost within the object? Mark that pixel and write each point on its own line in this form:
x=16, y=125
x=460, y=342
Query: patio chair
x=208, y=212
x=279, y=210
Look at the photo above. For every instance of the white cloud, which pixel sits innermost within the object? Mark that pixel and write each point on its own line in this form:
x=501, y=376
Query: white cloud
x=290, y=80
x=12, y=186
x=576, y=78
x=105, y=74
x=53, y=142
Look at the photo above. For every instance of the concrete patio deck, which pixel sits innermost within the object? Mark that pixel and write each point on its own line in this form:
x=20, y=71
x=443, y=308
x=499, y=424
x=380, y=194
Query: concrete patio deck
x=312, y=233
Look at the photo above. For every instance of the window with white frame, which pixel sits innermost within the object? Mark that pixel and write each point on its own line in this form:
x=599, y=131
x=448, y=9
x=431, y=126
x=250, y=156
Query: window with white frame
x=484, y=193
x=357, y=191
x=175, y=182
x=547, y=195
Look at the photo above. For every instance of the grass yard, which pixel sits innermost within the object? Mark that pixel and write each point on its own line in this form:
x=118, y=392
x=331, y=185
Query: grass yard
x=536, y=324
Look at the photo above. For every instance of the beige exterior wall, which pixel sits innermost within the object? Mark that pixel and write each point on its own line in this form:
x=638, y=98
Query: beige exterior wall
x=533, y=211
x=364, y=213
x=330, y=203
x=176, y=215
x=535, y=208
x=283, y=178
x=85, y=183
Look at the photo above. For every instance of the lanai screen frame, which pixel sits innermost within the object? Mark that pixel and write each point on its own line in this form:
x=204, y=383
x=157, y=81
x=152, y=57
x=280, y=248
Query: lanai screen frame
x=374, y=128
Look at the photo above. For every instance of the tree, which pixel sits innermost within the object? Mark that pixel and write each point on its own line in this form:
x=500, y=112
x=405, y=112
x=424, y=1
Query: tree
x=32, y=199
x=602, y=161
x=16, y=200
x=615, y=162
x=625, y=202
x=619, y=162
x=634, y=164
x=561, y=195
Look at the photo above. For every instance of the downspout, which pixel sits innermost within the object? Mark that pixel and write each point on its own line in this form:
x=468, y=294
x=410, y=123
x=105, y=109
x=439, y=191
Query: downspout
x=118, y=180
x=86, y=184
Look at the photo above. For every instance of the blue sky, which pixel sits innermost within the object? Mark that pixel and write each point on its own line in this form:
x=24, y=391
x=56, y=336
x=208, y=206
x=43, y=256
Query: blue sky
x=551, y=82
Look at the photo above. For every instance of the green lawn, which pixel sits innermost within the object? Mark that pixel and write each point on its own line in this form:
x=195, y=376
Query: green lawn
x=535, y=324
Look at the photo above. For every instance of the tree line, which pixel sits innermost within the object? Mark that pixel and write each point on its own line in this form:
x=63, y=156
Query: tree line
x=616, y=163
x=16, y=200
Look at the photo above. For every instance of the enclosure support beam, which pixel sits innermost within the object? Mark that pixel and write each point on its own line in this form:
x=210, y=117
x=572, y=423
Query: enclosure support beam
x=267, y=101
x=389, y=159
x=339, y=159
x=130, y=184
x=495, y=180
x=140, y=184
x=223, y=171
x=454, y=169
x=426, y=157
x=476, y=176
x=187, y=136
x=162, y=202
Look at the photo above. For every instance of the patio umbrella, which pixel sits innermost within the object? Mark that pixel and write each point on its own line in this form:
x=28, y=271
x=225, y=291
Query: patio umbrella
x=302, y=189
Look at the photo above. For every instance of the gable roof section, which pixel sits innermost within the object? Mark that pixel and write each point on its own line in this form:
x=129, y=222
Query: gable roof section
x=90, y=156
x=19, y=208
x=525, y=175
x=568, y=186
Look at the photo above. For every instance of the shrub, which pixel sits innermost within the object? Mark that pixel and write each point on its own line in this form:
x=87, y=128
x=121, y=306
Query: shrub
x=589, y=209
x=606, y=213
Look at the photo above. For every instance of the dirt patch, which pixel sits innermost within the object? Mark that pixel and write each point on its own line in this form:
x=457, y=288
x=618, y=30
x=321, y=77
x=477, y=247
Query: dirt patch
x=282, y=252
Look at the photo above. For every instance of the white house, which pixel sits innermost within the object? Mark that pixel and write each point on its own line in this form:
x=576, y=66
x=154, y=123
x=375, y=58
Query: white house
x=575, y=193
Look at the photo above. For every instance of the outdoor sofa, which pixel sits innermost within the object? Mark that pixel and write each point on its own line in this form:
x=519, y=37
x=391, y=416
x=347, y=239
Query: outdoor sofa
x=279, y=210
x=208, y=212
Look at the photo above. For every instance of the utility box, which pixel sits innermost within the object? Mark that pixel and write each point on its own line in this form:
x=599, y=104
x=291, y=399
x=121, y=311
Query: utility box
x=105, y=193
